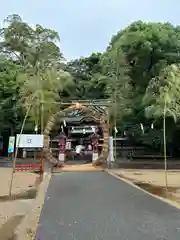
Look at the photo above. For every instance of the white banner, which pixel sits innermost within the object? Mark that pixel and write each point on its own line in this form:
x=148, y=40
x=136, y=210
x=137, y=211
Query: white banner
x=29, y=141
x=111, y=152
x=68, y=145
x=61, y=157
x=94, y=156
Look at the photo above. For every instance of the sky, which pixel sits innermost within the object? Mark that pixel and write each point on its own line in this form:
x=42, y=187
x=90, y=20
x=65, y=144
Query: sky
x=86, y=26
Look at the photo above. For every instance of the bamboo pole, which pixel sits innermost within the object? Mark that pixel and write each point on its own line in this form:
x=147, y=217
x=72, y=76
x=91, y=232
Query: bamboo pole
x=115, y=104
x=165, y=152
x=42, y=131
x=16, y=152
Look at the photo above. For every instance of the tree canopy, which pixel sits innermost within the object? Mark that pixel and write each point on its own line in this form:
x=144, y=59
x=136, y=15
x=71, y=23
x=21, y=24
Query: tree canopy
x=139, y=68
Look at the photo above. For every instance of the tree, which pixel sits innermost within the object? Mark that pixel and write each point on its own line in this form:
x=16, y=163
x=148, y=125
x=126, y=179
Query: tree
x=10, y=111
x=162, y=98
x=30, y=63
x=26, y=45
x=118, y=87
x=148, y=48
x=38, y=73
x=86, y=73
x=41, y=87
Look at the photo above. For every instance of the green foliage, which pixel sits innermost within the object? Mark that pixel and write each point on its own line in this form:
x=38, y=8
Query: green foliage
x=10, y=111
x=43, y=86
x=118, y=88
x=86, y=73
x=164, y=92
x=30, y=72
x=148, y=47
x=139, y=73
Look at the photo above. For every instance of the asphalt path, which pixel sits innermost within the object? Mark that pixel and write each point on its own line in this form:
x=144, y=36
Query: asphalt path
x=97, y=206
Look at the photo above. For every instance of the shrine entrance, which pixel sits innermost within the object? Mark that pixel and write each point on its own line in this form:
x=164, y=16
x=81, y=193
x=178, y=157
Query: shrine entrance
x=82, y=136
x=77, y=143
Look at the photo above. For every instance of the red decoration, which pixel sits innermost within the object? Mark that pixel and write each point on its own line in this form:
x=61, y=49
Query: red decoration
x=36, y=167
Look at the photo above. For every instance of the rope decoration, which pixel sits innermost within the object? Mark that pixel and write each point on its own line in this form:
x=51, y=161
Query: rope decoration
x=98, y=117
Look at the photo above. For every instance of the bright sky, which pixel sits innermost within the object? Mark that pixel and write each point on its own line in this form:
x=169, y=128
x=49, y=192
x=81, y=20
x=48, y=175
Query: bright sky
x=86, y=26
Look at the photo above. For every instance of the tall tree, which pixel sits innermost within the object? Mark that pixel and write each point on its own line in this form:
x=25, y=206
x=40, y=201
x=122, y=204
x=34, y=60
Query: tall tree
x=9, y=94
x=148, y=48
x=41, y=88
x=86, y=72
x=118, y=87
x=27, y=45
x=162, y=98
x=38, y=75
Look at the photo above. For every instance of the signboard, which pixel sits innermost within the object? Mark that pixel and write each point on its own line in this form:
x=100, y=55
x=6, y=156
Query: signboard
x=94, y=157
x=29, y=141
x=61, y=157
x=82, y=130
x=11, y=144
x=68, y=145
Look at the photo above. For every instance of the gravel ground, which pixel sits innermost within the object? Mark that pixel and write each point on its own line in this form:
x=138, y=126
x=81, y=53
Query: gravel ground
x=95, y=205
x=155, y=177
x=27, y=229
x=22, y=182
x=12, y=211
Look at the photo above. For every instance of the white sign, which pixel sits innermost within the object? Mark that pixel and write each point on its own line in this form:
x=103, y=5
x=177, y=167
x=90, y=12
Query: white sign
x=68, y=145
x=111, y=152
x=61, y=157
x=94, y=157
x=30, y=141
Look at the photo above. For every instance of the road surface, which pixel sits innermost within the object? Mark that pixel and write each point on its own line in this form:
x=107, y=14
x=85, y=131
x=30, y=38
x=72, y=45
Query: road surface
x=97, y=206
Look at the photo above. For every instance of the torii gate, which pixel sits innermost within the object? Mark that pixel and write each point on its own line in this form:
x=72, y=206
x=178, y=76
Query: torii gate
x=100, y=118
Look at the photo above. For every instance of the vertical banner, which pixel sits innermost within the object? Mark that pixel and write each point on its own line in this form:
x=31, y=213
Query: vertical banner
x=111, y=152
x=68, y=145
x=11, y=144
x=94, y=156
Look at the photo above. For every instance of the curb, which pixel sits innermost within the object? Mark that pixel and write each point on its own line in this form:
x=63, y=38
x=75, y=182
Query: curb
x=27, y=228
x=169, y=202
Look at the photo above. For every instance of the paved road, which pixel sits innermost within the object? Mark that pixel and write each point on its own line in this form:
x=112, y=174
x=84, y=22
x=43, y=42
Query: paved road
x=97, y=206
